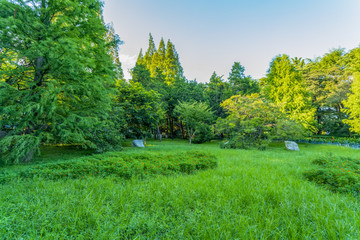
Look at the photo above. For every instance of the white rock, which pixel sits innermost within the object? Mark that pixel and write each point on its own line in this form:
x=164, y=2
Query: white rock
x=290, y=145
x=138, y=143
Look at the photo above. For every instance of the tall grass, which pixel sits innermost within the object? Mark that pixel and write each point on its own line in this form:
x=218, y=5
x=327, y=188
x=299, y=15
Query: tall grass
x=250, y=195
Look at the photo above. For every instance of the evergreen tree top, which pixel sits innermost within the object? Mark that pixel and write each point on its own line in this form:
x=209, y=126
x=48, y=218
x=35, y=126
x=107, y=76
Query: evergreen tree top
x=151, y=49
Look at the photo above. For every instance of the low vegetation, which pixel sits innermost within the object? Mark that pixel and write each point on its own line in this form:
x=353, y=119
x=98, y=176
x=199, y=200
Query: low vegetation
x=339, y=174
x=251, y=194
x=121, y=165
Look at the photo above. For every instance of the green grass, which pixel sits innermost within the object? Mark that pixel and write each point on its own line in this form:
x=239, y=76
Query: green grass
x=250, y=195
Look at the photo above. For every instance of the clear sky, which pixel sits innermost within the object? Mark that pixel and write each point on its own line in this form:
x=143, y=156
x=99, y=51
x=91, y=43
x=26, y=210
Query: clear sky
x=210, y=35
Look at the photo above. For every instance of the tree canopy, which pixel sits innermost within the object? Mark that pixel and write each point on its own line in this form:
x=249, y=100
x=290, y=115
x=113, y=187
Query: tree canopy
x=56, y=72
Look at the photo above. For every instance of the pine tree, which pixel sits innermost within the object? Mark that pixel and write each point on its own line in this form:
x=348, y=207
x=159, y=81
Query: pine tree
x=140, y=59
x=158, y=60
x=150, y=52
x=54, y=83
x=173, y=69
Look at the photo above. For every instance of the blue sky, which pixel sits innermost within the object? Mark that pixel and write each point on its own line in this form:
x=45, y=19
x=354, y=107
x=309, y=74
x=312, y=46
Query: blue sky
x=210, y=35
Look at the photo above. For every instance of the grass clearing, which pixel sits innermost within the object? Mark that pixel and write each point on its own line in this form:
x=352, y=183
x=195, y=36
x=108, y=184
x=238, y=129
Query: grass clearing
x=251, y=194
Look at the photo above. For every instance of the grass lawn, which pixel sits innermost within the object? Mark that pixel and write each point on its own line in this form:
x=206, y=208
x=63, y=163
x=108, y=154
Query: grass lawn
x=250, y=195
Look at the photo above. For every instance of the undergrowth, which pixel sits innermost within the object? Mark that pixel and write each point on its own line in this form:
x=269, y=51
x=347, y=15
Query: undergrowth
x=339, y=174
x=124, y=166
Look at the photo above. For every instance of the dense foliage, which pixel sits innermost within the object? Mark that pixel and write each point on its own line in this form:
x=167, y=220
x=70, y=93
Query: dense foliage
x=254, y=122
x=197, y=117
x=56, y=75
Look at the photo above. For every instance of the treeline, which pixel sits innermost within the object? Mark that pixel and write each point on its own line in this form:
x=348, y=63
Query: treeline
x=158, y=85
x=313, y=93
x=61, y=82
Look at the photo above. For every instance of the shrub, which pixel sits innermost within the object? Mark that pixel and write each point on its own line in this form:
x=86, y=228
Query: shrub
x=204, y=134
x=339, y=174
x=121, y=165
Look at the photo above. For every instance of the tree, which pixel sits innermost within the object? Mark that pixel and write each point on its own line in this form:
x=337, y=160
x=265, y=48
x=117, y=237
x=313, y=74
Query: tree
x=55, y=74
x=194, y=115
x=239, y=83
x=352, y=105
x=217, y=91
x=327, y=81
x=173, y=69
x=142, y=108
x=253, y=121
x=150, y=52
x=285, y=87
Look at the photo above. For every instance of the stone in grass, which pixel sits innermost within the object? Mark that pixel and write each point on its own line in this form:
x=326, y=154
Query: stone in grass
x=290, y=145
x=138, y=143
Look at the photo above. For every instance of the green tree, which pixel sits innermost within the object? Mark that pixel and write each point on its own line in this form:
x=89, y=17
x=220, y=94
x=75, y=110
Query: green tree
x=158, y=60
x=352, y=105
x=150, y=52
x=252, y=121
x=195, y=116
x=239, y=83
x=53, y=85
x=284, y=85
x=327, y=80
x=173, y=68
x=142, y=109
x=217, y=90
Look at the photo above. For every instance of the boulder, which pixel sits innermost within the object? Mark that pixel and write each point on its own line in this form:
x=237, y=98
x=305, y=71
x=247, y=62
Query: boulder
x=138, y=143
x=290, y=145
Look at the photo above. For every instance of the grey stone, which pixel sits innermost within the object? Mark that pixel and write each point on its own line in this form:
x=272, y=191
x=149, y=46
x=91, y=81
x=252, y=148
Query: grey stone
x=2, y=134
x=138, y=143
x=290, y=145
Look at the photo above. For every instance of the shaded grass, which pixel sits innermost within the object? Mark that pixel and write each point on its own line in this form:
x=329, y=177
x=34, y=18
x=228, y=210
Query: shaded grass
x=251, y=195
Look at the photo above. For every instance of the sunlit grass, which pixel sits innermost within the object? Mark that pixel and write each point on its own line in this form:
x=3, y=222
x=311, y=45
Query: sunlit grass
x=250, y=195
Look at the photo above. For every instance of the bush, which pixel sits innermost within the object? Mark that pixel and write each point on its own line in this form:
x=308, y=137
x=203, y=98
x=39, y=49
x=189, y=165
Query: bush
x=204, y=134
x=121, y=165
x=338, y=174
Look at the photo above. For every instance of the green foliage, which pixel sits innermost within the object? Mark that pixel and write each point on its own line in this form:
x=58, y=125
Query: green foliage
x=338, y=174
x=284, y=86
x=141, y=108
x=56, y=72
x=352, y=105
x=217, y=91
x=327, y=79
x=241, y=84
x=194, y=115
x=204, y=134
x=254, y=122
x=125, y=166
x=18, y=147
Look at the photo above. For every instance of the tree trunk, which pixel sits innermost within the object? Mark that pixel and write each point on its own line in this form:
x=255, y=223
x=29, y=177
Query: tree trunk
x=158, y=132
x=172, y=128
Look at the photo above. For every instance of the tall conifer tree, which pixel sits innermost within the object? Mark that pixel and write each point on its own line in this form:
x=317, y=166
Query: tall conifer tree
x=150, y=52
